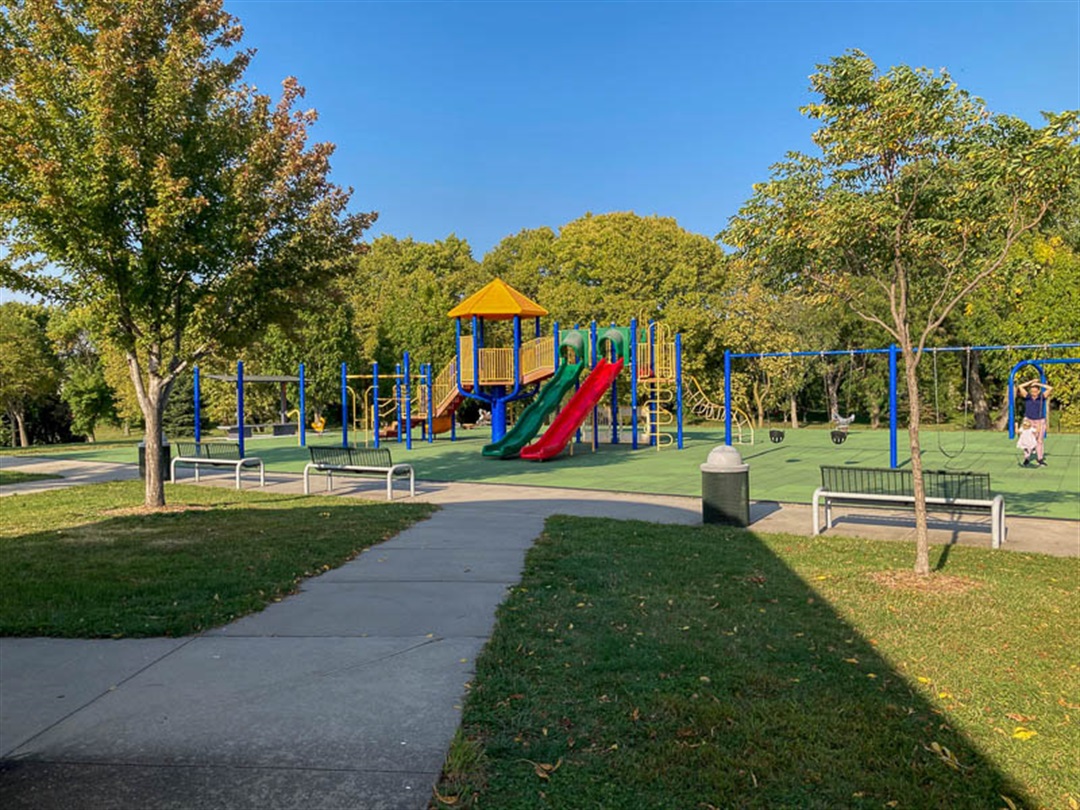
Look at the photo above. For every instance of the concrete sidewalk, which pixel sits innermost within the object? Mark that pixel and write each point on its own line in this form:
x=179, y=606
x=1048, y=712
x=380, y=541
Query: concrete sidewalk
x=346, y=695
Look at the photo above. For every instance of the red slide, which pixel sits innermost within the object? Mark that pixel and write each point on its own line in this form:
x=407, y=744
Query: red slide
x=555, y=438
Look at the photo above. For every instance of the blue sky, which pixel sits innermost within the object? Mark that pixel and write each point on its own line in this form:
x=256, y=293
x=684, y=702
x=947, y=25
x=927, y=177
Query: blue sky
x=484, y=118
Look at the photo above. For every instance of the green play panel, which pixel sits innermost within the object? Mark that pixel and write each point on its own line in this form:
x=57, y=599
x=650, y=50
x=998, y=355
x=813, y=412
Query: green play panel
x=783, y=472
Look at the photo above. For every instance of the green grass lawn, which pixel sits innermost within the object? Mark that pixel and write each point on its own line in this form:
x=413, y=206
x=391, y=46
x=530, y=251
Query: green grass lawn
x=10, y=477
x=786, y=472
x=89, y=562
x=672, y=667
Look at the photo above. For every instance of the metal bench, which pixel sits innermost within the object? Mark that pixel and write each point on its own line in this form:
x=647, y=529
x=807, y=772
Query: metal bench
x=884, y=487
x=356, y=461
x=214, y=454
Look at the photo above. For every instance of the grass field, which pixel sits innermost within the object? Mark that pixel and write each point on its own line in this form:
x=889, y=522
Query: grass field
x=786, y=472
x=89, y=562
x=675, y=667
x=11, y=477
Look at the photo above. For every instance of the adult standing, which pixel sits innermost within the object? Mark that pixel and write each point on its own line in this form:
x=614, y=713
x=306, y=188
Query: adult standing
x=1036, y=395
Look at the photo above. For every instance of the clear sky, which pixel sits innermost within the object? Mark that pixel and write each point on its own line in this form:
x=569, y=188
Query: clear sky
x=484, y=118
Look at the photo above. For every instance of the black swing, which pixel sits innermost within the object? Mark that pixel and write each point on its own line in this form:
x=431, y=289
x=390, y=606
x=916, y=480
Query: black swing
x=937, y=408
x=776, y=435
x=839, y=434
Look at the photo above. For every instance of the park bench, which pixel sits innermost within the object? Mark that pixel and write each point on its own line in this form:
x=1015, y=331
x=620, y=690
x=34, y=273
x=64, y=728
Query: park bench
x=954, y=491
x=214, y=454
x=356, y=461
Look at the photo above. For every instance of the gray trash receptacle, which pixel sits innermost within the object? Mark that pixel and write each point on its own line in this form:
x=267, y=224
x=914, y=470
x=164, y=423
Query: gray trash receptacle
x=166, y=460
x=725, y=488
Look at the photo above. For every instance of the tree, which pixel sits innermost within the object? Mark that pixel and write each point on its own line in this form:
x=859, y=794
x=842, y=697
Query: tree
x=186, y=210
x=84, y=388
x=401, y=291
x=28, y=369
x=917, y=197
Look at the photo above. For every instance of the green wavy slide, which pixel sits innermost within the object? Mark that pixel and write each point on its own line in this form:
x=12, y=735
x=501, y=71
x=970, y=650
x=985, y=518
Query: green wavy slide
x=532, y=418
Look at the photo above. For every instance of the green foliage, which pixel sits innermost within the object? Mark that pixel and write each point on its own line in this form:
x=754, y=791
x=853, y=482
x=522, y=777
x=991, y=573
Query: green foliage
x=85, y=389
x=186, y=210
x=401, y=291
x=917, y=197
x=29, y=370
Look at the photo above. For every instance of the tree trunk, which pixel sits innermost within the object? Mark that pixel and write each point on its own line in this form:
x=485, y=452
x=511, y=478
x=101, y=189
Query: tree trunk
x=922, y=535
x=794, y=412
x=875, y=415
x=979, y=404
x=153, y=394
x=20, y=427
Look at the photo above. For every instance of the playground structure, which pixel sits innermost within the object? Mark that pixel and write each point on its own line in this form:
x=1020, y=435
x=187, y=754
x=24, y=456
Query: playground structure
x=541, y=368
x=893, y=352
x=499, y=376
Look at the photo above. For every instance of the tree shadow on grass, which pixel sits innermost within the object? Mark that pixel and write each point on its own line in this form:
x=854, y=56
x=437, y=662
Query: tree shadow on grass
x=670, y=667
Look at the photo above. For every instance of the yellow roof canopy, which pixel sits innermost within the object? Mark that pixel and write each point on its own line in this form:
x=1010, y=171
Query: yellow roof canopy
x=498, y=301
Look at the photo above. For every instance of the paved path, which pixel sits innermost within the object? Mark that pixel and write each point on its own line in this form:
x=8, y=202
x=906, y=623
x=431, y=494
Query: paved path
x=345, y=695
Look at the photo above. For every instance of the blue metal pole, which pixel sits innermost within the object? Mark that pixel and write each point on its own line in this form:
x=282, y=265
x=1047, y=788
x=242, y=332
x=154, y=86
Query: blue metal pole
x=633, y=385
x=614, y=401
x=408, y=402
x=428, y=379
x=678, y=391
x=727, y=397
x=303, y=409
x=240, y=403
x=344, y=404
x=555, y=338
x=654, y=405
x=893, y=399
x=375, y=402
x=476, y=355
x=198, y=416
x=577, y=387
x=398, y=410
x=595, y=427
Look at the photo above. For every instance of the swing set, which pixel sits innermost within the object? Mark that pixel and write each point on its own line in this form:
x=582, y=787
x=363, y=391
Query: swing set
x=839, y=433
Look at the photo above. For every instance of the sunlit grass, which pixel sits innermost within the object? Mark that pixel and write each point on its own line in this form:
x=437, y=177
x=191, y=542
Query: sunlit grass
x=665, y=667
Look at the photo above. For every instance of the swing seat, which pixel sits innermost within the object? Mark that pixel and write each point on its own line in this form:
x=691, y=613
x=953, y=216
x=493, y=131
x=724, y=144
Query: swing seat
x=839, y=436
x=776, y=436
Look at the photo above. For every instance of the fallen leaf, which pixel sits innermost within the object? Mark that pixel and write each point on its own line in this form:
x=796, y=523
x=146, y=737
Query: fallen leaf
x=1021, y=733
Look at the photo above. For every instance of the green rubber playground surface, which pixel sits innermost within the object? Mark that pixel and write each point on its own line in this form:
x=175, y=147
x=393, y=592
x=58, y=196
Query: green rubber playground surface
x=785, y=472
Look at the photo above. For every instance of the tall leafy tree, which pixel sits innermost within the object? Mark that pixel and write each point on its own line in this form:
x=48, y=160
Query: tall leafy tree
x=916, y=198
x=29, y=371
x=84, y=388
x=186, y=209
